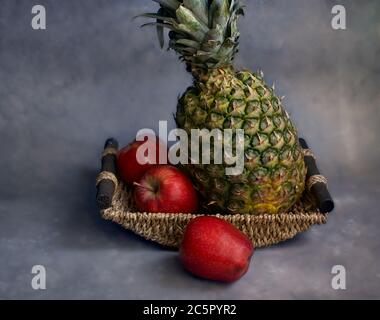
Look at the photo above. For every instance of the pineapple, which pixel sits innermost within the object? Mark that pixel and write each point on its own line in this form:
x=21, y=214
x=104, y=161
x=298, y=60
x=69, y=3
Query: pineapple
x=204, y=33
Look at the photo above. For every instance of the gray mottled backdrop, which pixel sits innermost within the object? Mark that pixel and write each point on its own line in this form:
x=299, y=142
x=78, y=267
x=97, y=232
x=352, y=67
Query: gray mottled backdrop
x=93, y=74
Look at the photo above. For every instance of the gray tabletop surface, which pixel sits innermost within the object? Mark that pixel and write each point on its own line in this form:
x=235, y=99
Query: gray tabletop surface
x=93, y=73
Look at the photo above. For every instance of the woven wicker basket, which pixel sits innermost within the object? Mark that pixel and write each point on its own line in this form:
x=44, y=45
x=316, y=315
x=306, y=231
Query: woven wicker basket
x=167, y=229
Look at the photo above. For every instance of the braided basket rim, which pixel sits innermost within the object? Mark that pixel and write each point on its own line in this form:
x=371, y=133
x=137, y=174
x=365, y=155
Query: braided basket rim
x=167, y=228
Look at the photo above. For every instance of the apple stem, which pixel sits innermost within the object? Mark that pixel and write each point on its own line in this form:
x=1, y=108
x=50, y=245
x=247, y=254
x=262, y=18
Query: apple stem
x=141, y=186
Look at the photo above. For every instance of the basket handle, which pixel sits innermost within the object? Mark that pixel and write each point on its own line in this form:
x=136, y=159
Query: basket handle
x=315, y=182
x=107, y=179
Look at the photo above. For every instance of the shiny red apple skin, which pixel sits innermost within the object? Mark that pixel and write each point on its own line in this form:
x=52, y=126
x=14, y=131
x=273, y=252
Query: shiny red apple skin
x=165, y=188
x=214, y=249
x=129, y=168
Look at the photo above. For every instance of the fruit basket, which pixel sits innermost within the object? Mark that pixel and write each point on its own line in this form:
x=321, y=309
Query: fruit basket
x=116, y=204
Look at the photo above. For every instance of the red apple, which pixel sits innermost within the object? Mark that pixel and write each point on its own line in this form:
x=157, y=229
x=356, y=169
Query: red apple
x=130, y=169
x=165, y=189
x=214, y=249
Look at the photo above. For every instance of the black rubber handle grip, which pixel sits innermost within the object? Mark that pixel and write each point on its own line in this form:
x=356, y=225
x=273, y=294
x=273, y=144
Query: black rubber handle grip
x=319, y=189
x=106, y=187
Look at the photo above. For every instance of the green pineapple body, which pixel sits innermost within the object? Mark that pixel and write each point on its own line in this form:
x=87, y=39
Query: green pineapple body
x=274, y=170
x=205, y=35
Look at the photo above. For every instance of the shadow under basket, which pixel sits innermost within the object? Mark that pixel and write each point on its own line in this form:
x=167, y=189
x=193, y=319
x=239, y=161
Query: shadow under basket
x=116, y=203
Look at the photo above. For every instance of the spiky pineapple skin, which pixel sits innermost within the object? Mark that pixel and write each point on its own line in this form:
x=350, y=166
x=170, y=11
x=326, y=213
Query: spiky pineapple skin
x=274, y=170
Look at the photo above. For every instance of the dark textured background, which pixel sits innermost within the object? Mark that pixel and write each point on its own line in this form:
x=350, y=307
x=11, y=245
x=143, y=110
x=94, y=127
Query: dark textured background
x=93, y=74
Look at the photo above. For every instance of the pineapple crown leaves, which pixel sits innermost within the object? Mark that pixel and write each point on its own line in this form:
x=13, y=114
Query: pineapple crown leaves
x=203, y=32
